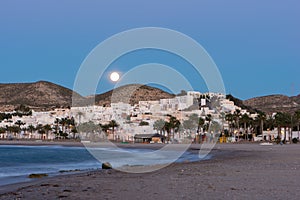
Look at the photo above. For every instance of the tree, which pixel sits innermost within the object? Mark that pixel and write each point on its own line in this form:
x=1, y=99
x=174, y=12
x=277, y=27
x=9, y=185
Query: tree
x=261, y=118
x=74, y=131
x=167, y=127
x=63, y=122
x=144, y=123
x=31, y=128
x=222, y=116
x=189, y=125
x=70, y=123
x=172, y=126
x=105, y=128
x=194, y=122
x=13, y=129
x=208, y=118
x=2, y=130
x=88, y=127
x=201, y=123
x=113, y=124
x=245, y=120
x=282, y=120
x=237, y=115
x=56, y=122
x=47, y=128
x=19, y=123
x=79, y=114
x=230, y=119
x=41, y=130
x=297, y=121
x=269, y=123
x=159, y=125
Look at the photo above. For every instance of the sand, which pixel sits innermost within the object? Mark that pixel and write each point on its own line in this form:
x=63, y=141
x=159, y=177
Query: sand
x=236, y=171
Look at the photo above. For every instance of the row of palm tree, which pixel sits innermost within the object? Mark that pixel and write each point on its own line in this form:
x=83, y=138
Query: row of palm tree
x=172, y=125
x=194, y=124
x=62, y=127
x=262, y=122
x=90, y=127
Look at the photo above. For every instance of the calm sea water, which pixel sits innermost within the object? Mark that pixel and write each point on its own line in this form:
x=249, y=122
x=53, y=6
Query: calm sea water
x=17, y=162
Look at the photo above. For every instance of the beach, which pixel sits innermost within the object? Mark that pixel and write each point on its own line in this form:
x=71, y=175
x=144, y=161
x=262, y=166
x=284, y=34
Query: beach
x=236, y=171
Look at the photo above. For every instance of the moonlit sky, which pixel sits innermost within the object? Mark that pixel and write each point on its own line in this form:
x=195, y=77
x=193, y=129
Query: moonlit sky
x=255, y=44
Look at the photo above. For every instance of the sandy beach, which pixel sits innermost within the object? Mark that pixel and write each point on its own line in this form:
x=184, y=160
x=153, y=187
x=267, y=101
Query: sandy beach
x=236, y=171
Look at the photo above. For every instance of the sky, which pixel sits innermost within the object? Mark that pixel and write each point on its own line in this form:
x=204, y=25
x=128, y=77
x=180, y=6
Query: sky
x=255, y=44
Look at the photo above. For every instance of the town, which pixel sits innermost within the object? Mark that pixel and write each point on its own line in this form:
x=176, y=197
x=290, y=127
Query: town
x=188, y=117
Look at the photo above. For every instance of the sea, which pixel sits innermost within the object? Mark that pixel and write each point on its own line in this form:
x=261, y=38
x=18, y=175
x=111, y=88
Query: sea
x=17, y=162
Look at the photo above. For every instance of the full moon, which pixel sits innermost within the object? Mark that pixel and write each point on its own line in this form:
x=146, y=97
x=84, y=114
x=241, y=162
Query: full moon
x=114, y=76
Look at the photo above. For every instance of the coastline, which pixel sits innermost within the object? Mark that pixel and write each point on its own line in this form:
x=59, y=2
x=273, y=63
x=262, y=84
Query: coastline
x=248, y=171
x=41, y=143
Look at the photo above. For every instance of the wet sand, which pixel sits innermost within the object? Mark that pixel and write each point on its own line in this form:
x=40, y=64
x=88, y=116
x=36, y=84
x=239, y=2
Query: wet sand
x=236, y=171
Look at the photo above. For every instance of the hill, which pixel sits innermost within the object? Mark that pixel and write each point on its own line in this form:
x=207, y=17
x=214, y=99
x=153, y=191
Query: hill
x=44, y=95
x=131, y=94
x=241, y=104
x=40, y=95
x=274, y=103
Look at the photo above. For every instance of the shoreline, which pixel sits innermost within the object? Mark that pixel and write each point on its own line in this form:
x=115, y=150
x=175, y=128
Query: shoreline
x=11, y=188
x=248, y=171
x=40, y=143
x=15, y=180
x=24, y=178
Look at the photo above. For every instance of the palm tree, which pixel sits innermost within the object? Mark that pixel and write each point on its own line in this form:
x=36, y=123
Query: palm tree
x=208, y=118
x=79, y=114
x=2, y=130
x=222, y=116
x=168, y=127
x=19, y=123
x=177, y=127
x=245, y=119
x=230, y=119
x=31, y=128
x=70, y=123
x=63, y=122
x=56, y=122
x=105, y=128
x=282, y=120
x=159, y=125
x=237, y=115
x=270, y=122
x=201, y=123
x=13, y=129
x=174, y=124
x=261, y=118
x=113, y=124
x=47, y=128
x=297, y=120
x=41, y=130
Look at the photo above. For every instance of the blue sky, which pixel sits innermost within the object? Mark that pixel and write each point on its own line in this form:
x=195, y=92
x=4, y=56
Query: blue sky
x=255, y=44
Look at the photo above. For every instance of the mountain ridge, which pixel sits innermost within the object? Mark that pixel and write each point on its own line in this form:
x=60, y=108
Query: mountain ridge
x=44, y=95
x=274, y=103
